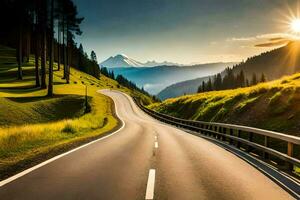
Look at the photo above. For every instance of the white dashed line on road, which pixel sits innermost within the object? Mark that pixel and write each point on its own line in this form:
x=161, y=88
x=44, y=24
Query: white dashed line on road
x=156, y=145
x=150, y=185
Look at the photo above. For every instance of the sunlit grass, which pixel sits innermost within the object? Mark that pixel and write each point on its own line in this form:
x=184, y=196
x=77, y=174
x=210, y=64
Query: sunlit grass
x=27, y=127
x=272, y=105
x=32, y=124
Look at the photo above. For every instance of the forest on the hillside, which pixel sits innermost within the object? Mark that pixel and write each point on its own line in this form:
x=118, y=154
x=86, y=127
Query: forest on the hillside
x=45, y=29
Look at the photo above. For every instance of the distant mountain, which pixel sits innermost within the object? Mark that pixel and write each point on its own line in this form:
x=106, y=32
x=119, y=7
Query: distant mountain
x=154, y=63
x=120, y=60
x=181, y=88
x=154, y=79
x=274, y=64
x=123, y=61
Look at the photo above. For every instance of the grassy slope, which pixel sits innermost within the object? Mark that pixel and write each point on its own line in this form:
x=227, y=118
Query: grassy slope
x=32, y=124
x=273, y=105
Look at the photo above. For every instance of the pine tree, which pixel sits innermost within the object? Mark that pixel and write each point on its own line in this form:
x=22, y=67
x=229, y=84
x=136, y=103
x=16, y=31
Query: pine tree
x=218, y=84
x=94, y=57
x=263, y=78
x=199, y=90
x=247, y=83
x=44, y=22
x=209, y=85
x=241, y=81
x=51, y=55
x=254, y=79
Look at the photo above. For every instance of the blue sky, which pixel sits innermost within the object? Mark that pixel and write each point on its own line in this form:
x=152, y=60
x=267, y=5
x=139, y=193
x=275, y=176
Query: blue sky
x=183, y=31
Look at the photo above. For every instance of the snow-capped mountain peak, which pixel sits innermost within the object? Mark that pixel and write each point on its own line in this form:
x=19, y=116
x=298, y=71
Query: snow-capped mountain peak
x=122, y=60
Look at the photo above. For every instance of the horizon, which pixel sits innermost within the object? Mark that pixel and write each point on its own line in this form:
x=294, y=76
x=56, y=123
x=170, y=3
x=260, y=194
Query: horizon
x=162, y=34
x=166, y=61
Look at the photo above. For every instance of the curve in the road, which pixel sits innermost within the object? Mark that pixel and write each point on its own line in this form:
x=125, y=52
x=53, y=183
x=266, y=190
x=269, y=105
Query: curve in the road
x=145, y=160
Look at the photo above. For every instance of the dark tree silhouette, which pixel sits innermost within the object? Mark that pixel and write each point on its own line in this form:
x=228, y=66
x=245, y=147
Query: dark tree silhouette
x=51, y=35
x=44, y=21
x=94, y=57
x=262, y=78
x=71, y=25
x=254, y=79
x=32, y=32
x=37, y=45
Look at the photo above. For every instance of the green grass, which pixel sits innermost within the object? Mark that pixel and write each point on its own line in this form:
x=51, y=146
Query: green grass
x=273, y=105
x=32, y=124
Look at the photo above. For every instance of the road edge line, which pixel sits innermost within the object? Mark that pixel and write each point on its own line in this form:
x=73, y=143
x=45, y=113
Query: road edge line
x=27, y=171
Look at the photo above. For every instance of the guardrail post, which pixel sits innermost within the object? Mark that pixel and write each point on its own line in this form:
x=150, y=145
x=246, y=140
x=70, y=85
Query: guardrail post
x=202, y=127
x=266, y=144
x=218, y=130
x=208, y=128
x=290, y=150
x=230, y=133
x=238, y=144
x=205, y=128
x=250, y=138
x=224, y=132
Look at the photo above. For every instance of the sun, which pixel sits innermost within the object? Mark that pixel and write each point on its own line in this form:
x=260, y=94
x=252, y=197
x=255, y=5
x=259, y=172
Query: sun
x=295, y=25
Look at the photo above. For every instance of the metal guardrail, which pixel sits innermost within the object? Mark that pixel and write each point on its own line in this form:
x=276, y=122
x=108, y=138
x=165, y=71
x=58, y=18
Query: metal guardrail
x=268, y=145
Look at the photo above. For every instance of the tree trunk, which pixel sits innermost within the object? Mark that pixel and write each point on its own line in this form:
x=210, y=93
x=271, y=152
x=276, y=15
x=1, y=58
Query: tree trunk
x=68, y=60
x=37, y=50
x=58, y=46
x=28, y=42
x=50, y=84
x=64, y=48
x=19, y=52
x=44, y=46
x=37, y=55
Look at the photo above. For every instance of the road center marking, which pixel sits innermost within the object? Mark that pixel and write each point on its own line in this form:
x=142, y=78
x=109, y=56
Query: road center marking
x=156, y=145
x=155, y=137
x=150, y=185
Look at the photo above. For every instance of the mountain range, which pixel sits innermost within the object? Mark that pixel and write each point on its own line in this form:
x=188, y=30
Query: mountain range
x=155, y=79
x=124, y=61
x=274, y=64
x=181, y=88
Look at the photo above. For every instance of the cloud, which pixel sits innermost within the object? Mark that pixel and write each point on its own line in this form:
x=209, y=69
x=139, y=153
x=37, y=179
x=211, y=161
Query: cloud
x=266, y=40
x=273, y=44
x=241, y=39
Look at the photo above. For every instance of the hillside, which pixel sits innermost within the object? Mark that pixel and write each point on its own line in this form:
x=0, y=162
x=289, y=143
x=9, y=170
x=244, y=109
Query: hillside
x=274, y=64
x=181, y=88
x=34, y=126
x=272, y=105
x=154, y=79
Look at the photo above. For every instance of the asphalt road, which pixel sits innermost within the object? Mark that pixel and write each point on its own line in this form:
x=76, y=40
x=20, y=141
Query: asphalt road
x=145, y=160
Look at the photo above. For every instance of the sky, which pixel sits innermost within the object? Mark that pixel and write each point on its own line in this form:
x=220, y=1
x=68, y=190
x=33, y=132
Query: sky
x=182, y=31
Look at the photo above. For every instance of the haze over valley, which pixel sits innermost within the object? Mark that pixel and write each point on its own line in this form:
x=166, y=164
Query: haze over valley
x=155, y=78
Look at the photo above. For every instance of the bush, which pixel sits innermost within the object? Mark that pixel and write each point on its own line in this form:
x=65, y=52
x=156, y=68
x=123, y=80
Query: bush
x=69, y=128
x=105, y=121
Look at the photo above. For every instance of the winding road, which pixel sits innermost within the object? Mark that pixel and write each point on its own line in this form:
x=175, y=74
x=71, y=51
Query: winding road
x=145, y=159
